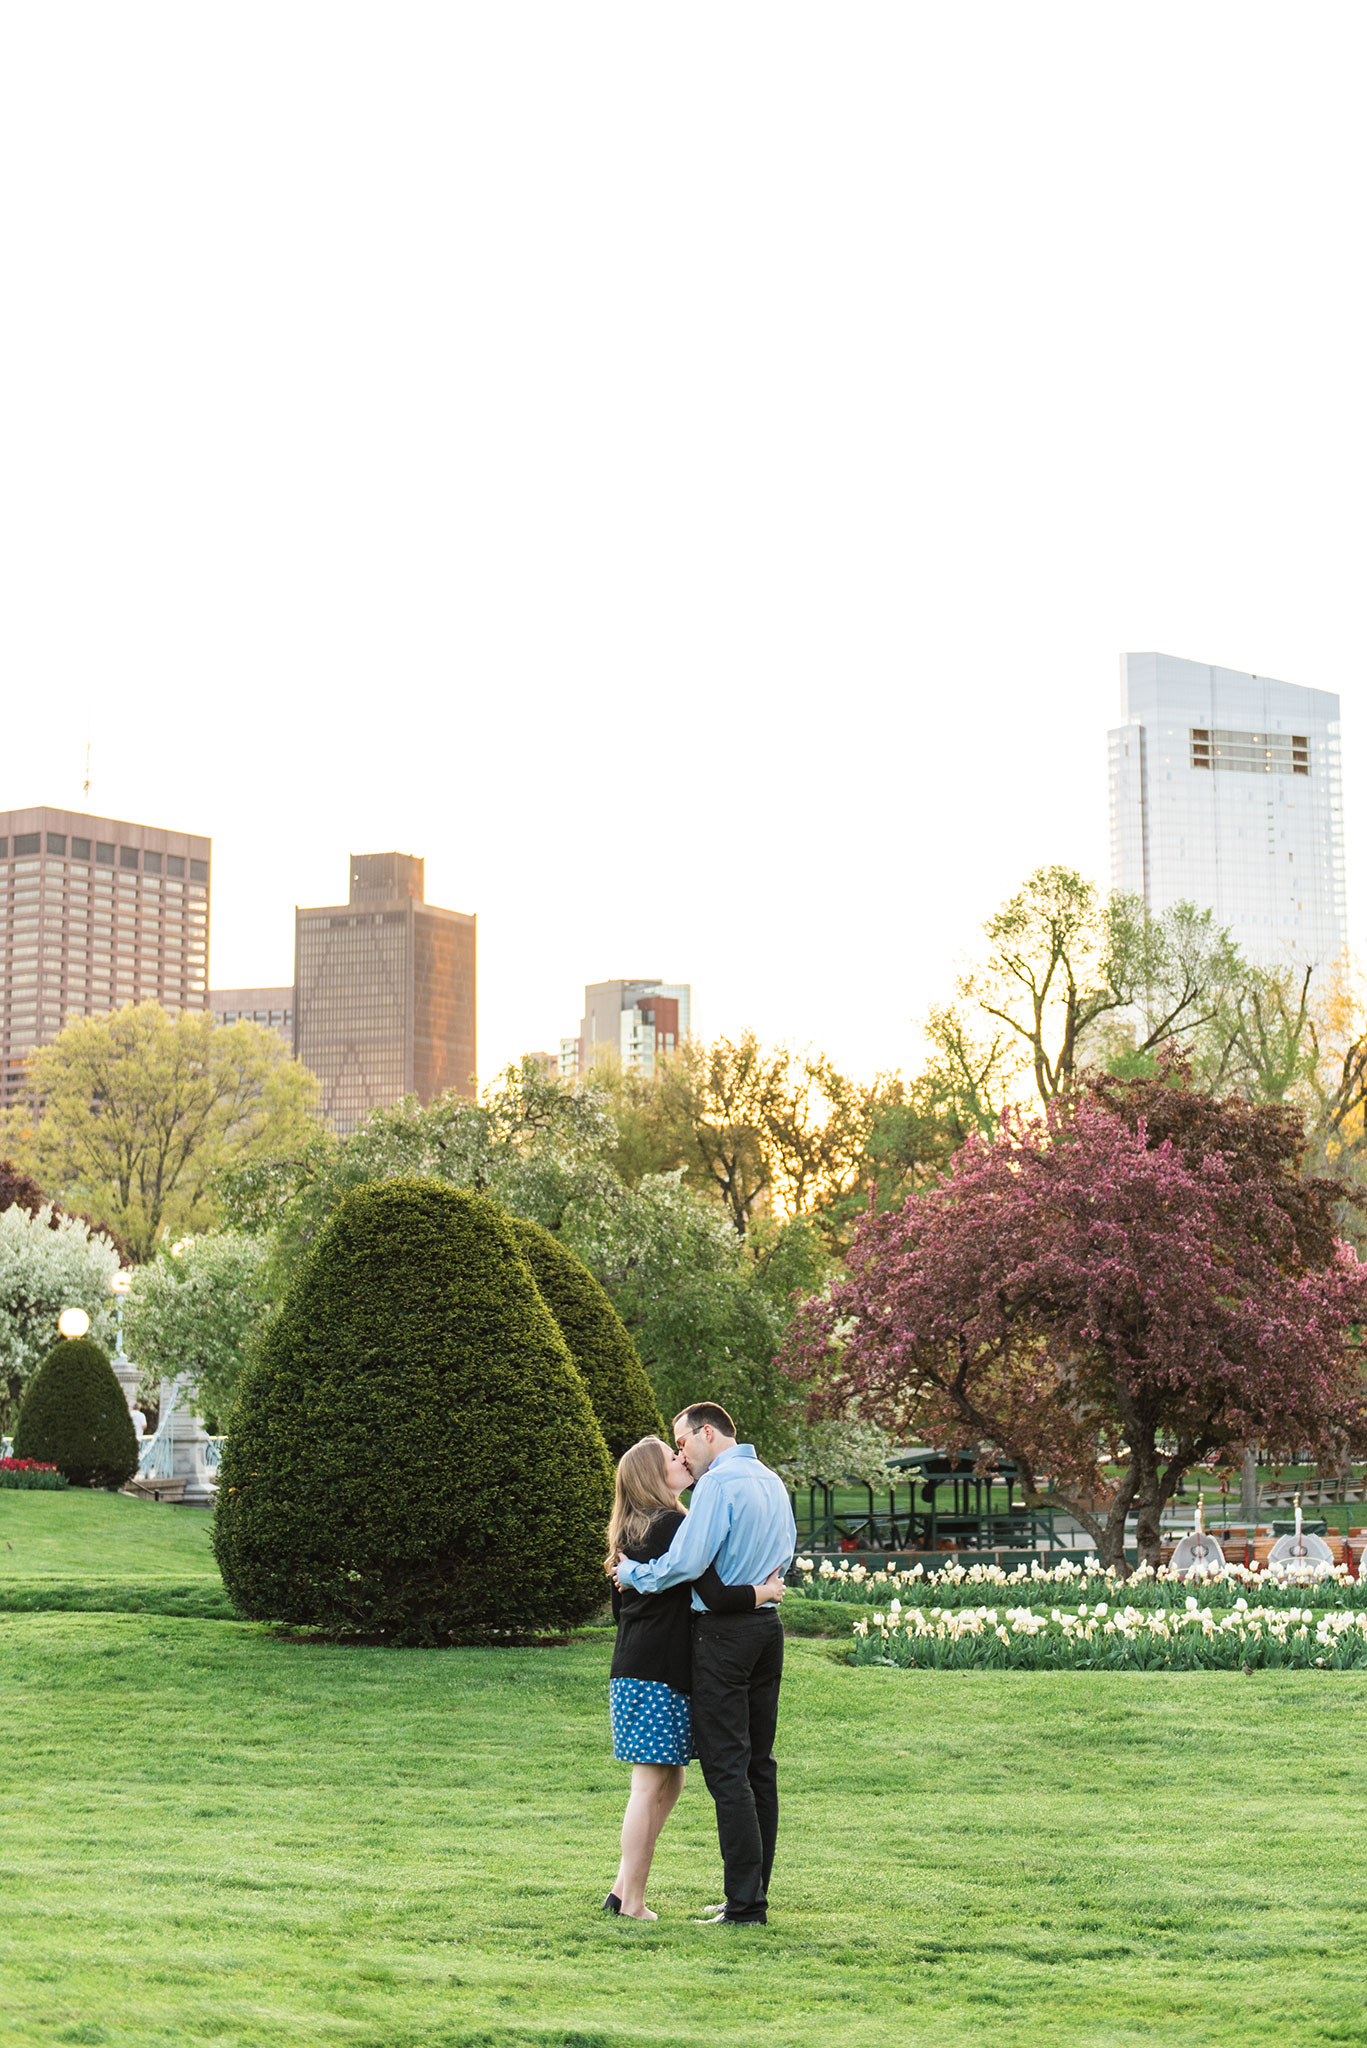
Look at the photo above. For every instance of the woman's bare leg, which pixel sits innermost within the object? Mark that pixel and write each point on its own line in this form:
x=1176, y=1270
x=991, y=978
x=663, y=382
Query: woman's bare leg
x=655, y=1790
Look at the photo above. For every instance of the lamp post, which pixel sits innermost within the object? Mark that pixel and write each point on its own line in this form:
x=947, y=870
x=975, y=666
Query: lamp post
x=125, y=1372
x=73, y=1322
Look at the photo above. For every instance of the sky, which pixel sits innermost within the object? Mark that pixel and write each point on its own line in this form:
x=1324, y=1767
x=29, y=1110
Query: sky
x=689, y=473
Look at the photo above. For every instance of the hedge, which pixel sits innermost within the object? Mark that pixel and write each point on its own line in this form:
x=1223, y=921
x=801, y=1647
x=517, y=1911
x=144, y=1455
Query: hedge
x=74, y=1416
x=597, y=1337
x=414, y=1444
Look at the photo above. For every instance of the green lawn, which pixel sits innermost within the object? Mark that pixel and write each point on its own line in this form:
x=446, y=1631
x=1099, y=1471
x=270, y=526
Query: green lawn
x=214, y=1837
x=106, y=1552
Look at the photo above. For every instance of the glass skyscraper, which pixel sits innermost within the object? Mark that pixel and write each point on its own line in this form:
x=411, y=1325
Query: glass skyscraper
x=1226, y=790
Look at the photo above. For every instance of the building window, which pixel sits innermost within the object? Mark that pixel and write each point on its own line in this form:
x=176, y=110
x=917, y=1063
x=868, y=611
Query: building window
x=1250, y=753
x=104, y=854
x=151, y=863
x=174, y=864
x=28, y=842
x=199, y=870
x=4, y=849
x=128, y=856
x=56, y=843
x=80, y=849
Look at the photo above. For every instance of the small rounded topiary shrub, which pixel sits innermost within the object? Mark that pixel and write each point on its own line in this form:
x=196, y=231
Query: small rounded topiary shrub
x=597, y=1337
x=74, y=1416
x=414, y=1453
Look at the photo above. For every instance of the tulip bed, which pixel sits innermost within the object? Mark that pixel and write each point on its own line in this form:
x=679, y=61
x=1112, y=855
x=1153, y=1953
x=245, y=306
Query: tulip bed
x=965, y=1586
x=1106, y=1638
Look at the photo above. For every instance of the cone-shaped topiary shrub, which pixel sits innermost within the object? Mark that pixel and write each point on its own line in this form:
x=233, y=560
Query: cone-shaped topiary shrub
x=74, y=1416
x=597, y=1337
x=414, y=1453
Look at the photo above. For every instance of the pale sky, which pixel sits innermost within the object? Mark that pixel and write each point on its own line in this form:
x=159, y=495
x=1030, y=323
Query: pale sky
x=688, y=472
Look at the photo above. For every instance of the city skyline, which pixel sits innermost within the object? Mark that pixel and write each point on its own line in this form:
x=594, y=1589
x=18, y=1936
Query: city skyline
x=753, y=604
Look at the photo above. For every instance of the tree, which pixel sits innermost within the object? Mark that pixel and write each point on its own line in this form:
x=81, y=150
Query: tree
x=720, y=1101
x=76, y=1418
x=706, y=1310
x=532, y=1145
x=22, y=1190
x=48, y=1262
x=703, y=1306
x=764, y=1131
x=1335, y=1080
x=1073, y=973
x=195, y=1310
x=414, y=1452
x=597, y=1338
x=1140, y=1278
x=133, y=1114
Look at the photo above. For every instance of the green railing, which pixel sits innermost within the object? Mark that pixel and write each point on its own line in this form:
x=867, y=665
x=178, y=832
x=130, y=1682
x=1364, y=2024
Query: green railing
x=940, y=1502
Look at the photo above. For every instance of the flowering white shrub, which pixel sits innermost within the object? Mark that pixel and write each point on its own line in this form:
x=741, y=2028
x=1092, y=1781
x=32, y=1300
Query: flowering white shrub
x=1102, y=1638
x=42, y=1271
x=956, y=1585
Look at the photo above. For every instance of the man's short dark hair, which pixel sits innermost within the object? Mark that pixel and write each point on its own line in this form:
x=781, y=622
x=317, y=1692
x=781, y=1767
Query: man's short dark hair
x=702, y=1412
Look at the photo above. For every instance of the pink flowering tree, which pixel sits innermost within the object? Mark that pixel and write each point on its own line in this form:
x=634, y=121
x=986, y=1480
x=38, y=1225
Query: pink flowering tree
x=1136, y=1282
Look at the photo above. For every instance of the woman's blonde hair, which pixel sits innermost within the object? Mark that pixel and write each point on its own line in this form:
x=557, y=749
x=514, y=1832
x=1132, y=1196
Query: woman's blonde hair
x=640, y=1494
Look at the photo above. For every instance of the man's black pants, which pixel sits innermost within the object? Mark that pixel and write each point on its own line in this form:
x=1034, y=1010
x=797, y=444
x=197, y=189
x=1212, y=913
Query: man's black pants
x=737, y=1670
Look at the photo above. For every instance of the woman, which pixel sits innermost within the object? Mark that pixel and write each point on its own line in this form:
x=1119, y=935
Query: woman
x=652, y=1665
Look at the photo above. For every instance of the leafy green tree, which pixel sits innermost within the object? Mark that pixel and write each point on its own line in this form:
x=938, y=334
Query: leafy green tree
x=195, y=1311
x=532, y=1145
x=132, y=1115
x=48, y=1262
x=414, y=1453
x=765, y=1131
x=687, y=1287
x=75, y=1417
x=1073, y=977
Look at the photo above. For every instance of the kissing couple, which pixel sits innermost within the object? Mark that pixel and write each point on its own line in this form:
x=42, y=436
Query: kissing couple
x=699, y=1654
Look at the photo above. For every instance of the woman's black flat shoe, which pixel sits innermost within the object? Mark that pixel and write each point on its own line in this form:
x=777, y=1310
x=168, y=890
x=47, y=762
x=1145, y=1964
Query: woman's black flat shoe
x=612, y=1904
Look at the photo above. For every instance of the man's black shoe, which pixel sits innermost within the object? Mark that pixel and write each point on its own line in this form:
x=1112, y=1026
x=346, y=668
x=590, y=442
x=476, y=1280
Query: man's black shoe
x=612, y=1904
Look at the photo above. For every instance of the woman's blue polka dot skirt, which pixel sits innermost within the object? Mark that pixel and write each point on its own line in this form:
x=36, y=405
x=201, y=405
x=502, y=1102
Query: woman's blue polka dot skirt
x=651, y=1723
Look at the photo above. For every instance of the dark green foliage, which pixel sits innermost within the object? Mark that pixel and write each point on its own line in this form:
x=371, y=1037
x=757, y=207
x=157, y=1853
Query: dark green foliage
x=26, y=1475
x=414, y=1453
x=597, y=1337
x=75, y=1417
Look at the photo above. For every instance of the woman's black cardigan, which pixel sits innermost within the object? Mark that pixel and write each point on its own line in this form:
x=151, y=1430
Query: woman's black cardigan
x=655, y=1630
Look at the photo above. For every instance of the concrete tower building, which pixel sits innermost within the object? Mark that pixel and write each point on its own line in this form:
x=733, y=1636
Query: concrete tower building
x=384, y=992
x=635, y=1022
x=1226, y=790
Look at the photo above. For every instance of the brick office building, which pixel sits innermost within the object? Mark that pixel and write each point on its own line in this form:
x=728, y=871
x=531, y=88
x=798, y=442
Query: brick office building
x=94, y=913
x=384, y=992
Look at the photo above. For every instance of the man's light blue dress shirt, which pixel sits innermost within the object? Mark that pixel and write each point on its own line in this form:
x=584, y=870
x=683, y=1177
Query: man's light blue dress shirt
x=740, y=1519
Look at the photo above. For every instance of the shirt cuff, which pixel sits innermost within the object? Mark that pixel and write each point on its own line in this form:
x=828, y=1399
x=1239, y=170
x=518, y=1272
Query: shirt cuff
x=624, y=1573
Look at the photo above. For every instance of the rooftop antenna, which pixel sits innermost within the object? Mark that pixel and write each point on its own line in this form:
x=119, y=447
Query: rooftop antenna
x=85, y=786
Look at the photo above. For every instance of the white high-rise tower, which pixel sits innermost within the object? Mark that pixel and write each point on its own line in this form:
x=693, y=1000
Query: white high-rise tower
x=1226, y=790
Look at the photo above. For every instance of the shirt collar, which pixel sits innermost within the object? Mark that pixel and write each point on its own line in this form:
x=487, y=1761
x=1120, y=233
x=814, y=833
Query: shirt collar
x=736, y=1451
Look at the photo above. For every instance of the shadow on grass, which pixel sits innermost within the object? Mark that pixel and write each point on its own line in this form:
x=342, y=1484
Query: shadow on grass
x=203, y=1600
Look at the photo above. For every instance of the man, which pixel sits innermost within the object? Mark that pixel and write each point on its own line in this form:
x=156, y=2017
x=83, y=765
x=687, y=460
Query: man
x=740, y=1520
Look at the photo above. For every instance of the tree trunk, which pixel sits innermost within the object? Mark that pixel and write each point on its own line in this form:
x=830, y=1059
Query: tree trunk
x=1148, y=1539
x=1112, y=1548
